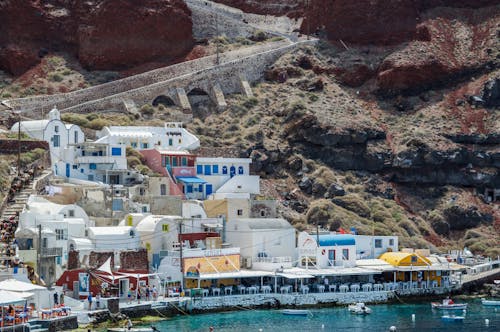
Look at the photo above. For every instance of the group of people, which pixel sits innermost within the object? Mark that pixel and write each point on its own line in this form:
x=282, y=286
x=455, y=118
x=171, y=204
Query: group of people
x=144, y=292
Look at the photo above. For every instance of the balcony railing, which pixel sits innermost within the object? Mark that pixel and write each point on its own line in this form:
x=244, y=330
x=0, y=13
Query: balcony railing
x=201, y=252
x=51, y=252
x=279, y=260
x=95, y=160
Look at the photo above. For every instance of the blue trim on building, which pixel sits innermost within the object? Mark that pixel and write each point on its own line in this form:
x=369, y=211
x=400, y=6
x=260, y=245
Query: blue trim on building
x=329, y=240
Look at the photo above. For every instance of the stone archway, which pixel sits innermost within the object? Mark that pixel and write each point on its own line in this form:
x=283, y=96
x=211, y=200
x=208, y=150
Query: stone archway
x=200, y=102
x=163, y=100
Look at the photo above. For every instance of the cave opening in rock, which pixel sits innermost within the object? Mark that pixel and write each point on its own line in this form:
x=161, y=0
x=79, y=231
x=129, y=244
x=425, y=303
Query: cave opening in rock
x=163, y=100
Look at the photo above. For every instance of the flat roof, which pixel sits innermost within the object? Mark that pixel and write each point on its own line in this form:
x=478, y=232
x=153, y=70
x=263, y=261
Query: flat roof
x=234, y=274
x=190, y=179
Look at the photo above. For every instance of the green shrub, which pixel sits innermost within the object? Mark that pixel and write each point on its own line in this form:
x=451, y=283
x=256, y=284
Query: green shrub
x=147, y=110
x=250, y=103
x=66, y=72
x=56, y=78
x=77, y=119
x=91, y=116
x=313, y=97
x=97, y=124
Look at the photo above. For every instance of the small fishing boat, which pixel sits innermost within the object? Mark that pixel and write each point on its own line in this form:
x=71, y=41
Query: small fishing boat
x=490, y=302
x=453, y=318
x=448, y=304
x=359, y=309
x=132, y=329
x=296, y=312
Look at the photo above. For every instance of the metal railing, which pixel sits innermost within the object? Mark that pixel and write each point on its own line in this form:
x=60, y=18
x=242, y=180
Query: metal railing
x=51, y=252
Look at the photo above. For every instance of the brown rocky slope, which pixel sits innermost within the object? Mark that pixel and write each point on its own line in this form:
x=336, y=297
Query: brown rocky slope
x=101, y=34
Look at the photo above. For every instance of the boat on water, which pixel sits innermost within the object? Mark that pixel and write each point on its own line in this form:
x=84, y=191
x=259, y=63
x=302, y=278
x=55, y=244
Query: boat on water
x=453, y=318
x=296, y=312
x=133, y=329
x=448, y=304
x=490, y=302
x=359, y=309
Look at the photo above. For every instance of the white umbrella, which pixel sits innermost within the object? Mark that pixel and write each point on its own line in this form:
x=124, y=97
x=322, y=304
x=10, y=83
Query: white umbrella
x=14, y=285
x=7, y=297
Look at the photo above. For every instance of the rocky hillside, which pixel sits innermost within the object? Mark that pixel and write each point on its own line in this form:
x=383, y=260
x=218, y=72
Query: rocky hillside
x=103, y=35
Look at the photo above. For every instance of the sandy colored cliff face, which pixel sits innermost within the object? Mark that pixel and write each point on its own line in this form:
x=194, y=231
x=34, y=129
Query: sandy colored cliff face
x=102, y=34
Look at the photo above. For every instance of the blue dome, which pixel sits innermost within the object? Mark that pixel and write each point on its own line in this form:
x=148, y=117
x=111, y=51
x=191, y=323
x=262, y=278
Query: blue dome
x=336, y=240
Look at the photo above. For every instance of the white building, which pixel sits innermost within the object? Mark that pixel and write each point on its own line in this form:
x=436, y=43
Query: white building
x=265, y=244
x=326, y=250
x=171, y=137
x=369, y=247
x=52, y=130
x=59, y=223
x=96, y=162
x=116, y=238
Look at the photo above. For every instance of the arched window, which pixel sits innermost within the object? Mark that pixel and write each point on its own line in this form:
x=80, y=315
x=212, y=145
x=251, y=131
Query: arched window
x=240, y=170
x=224, y=169
x=232, y=171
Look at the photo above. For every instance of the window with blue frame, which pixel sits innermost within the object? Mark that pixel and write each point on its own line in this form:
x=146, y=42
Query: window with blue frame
x=199, y=169
x=184, y=161
x=240, y=170
x=224, y=169
x=145, y=145
x=92, y=166
x=189, y=188
x=200, y=188
x=116, y=151
x=215, y=169
x=207, y=170
x=170, y=141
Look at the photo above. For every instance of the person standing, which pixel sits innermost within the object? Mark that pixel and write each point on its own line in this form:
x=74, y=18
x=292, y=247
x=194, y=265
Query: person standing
x=98, y=301
x=61, y=298
x=56, y=299
x=89, y=299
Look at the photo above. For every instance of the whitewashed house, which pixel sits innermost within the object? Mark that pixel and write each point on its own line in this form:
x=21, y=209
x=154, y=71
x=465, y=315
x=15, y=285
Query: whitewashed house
x=372, y=246
x=170, y=137
x=97, y=162
x=227, y=175
x=58, y=222
x=265, y=244
x=116, y=238
x=326, y=250
x=52, y=130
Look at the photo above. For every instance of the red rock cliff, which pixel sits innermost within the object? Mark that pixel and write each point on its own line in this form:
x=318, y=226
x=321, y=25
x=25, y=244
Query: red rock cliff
x=102, y=34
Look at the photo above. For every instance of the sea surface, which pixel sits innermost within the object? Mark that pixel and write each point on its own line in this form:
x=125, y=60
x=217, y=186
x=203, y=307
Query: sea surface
x=339, y=319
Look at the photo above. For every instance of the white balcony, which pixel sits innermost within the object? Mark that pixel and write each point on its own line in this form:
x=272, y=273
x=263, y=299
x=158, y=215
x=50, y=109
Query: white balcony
x=272, y=263
x=95, y=160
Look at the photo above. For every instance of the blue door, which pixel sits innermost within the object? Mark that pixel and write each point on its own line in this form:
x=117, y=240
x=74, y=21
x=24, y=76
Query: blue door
x=67, y=170
x=232, y=171
x=208, y=170
x=208, y=189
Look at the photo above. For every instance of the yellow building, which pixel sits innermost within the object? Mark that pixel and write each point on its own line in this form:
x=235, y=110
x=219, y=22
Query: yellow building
x=413, y=267
x=196, y=267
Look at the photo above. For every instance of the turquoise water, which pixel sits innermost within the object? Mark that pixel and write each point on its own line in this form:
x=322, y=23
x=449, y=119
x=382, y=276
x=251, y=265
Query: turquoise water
x=339, y=319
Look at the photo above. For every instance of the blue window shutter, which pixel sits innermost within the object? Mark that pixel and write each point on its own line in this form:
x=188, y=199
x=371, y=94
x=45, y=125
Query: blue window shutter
x=200, y=188
x=116, y=151
x=215, y=169
x=199, y=169
x=190, y=188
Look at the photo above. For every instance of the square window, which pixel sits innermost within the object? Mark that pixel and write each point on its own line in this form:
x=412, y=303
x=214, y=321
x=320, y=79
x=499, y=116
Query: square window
x=116, y=151
x=75, y=166
x=414, y=259
x=215, y=169
x=378, y=243
x=240, y=212
x=199, y=169
x=92, y=166
x=391, y=242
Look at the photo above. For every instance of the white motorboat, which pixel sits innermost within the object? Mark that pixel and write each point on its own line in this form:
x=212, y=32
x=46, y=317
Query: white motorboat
x=490, y=302
x=296, y=312
x=448, y=304
x=359, y=309
x=452, y=318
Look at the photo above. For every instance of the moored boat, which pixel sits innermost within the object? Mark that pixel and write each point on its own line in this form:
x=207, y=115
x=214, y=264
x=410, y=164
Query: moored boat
x=296, y=312
x=359, y=309
x=448, y=304
x=490, y=302
x=452, y=318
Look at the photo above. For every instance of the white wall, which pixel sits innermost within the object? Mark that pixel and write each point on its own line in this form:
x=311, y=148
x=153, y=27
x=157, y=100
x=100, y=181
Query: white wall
x=366, y=245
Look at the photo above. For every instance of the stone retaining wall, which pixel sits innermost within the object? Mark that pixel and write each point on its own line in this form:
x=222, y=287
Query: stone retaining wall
x=210, y=303
x=227, y=75
x=65, y=100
